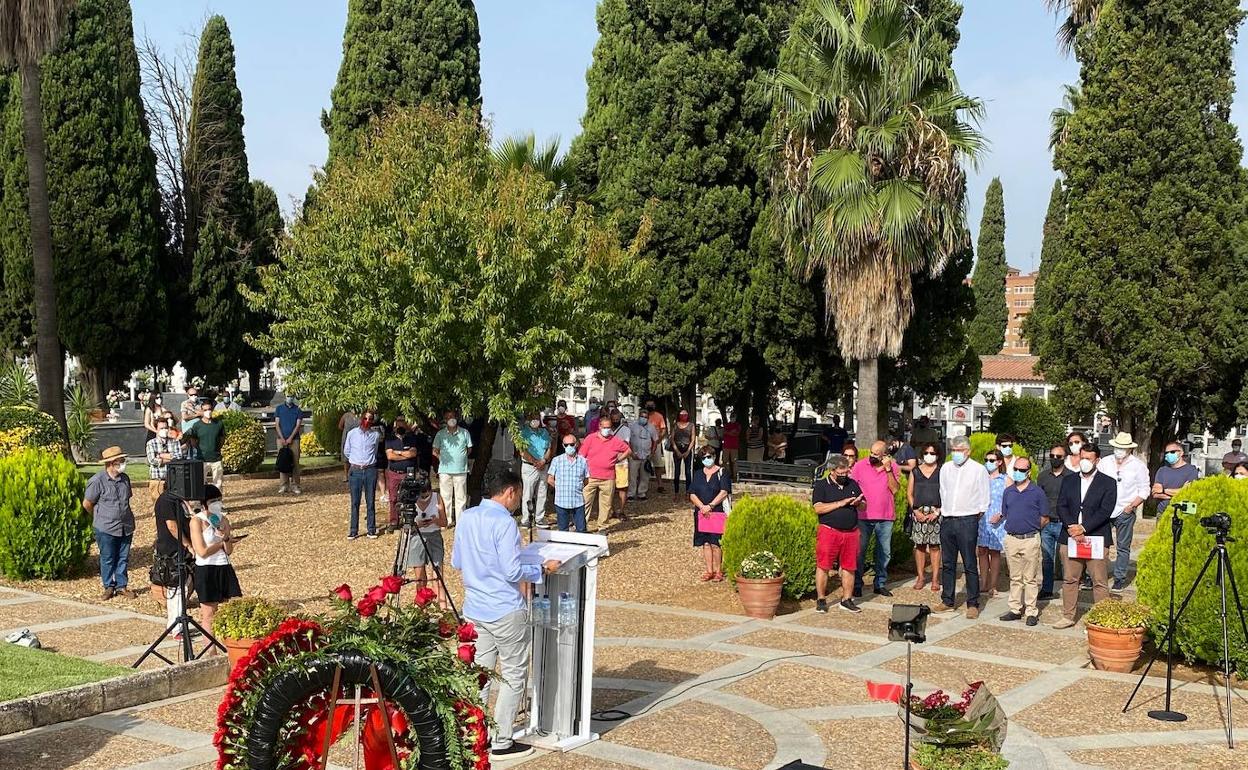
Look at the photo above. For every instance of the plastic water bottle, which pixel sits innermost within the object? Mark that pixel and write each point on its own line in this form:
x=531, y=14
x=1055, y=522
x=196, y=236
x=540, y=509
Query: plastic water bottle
x=541, y=611
x=567, y=611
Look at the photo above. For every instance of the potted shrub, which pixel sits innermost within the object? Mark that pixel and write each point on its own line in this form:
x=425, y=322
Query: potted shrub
x=1116, y=634
x=240, y=623
x=759, y=583
x=933, y=757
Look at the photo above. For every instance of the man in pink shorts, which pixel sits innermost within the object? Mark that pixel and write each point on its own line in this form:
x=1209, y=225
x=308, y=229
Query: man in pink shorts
x=837, y=499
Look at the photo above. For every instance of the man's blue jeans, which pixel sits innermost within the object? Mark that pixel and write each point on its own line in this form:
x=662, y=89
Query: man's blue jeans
x=574, y=517
x=883, y=550
x=363, y=481
x=1124, y=529
x=1049, y=557
x=114, y=558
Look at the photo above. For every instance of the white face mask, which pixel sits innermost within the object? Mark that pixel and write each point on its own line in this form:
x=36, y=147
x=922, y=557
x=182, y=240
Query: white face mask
x=163, y=433
x=604, y=431
x=1120, y=453
x=535, y=424
x=929, y=458
x=1086, y=466
x=452, y=422
x=215, y=507
x=1075, y=446
x=121, y=467
x=562, y=411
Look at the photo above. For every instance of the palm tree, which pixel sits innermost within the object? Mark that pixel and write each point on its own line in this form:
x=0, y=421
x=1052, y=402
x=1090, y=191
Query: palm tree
x=1059, y=119
x=1079, y=14
x=522, y=152
x=870, y=187
x=28, y=30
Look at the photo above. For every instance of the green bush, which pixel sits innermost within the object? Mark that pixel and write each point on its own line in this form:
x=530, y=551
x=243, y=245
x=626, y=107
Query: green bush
x=44, y=433
x=44, y=530
x=931, y=757
x=1113, y=613
x=1199, y=633
x=242, y=449
x=1029, y=419
x=325, y=426
x=781, y=525
x=247, y=618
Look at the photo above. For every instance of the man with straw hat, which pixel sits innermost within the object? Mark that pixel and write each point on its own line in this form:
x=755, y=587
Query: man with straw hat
x=1131, y=474
x=108, y=501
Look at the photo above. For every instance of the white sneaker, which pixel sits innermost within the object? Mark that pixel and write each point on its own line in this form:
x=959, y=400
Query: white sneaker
x=296, y=490
x=281, y=490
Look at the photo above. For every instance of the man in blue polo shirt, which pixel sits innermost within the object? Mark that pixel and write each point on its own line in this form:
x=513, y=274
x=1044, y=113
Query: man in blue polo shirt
x=289, y=425
x=1024, y=505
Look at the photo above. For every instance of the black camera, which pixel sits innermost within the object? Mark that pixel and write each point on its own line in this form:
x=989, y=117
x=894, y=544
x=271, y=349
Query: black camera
x=413, y=486
x=1217, y=524
x=908, y=623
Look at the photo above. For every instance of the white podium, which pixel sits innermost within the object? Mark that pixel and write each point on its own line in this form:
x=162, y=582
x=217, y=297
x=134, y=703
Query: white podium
x=562, y=671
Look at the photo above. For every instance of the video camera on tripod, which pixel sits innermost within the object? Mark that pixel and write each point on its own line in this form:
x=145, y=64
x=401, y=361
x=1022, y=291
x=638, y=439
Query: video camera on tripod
x=415, y=485
x=1218, y=524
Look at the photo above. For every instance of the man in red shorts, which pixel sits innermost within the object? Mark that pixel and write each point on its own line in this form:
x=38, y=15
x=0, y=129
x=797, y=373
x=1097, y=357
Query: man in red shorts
x=837, y=499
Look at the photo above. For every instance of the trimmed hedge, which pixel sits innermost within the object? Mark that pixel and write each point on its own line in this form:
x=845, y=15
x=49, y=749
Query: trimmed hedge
x=242, y=449
x=1199, y=633
x=325, y=426
x=1031, y=420
x=779, y=524
x=44, y=530
x=34, y=429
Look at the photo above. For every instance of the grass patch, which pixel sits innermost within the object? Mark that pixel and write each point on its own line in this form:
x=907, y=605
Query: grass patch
x=137, y=470
x=24, y=671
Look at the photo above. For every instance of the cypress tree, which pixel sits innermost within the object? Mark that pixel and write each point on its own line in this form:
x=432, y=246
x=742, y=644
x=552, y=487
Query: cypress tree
x=270, y=229
x=1050, y=251
x=402, y=53
x=677, y=113
x=107, y=230
x=16, y=269
x=220, y=215
x=988, y=329
x=1144, y=299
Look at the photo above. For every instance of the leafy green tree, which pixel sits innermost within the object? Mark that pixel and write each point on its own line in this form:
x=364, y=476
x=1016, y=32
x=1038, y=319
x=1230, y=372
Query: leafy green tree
x=1029, y=419
x=988, y=281
x=1050, y=253
x=270, y=232
x=875, y=133
x=1144, y=301
x=220, y=210
x=675, y=128
x=492, y=293
x=400, y=53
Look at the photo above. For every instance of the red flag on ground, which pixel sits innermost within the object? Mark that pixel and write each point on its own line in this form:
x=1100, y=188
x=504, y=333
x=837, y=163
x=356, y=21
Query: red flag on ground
x=883, y=691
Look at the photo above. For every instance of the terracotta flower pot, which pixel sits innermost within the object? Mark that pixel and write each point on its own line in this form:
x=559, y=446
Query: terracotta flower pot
x=1114, y=649
x=236, y=648
x=760, y=597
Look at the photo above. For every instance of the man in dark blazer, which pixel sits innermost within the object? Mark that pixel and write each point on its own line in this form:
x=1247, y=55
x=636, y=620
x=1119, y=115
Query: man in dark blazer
x=1085, y=504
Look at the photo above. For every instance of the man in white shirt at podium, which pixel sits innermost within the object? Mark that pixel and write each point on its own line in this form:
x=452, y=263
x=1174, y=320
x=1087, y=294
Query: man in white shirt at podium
x=487, y=553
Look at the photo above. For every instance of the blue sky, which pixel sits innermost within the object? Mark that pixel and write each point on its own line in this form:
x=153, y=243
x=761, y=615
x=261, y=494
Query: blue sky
x=533, y=59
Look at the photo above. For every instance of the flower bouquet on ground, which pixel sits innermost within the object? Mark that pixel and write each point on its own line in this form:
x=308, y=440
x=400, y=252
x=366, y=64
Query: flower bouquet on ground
x=976, y=719
x=312, y=682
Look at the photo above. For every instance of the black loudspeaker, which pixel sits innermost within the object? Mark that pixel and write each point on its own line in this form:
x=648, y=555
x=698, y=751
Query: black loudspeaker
x=799, y=765
x=186, y=479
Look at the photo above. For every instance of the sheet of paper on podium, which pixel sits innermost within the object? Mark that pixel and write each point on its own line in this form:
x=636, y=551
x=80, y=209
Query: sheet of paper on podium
x=541, y=552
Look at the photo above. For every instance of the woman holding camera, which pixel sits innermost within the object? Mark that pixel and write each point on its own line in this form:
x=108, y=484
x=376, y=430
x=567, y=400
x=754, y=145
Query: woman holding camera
x=924, y=495
x=431, y=518
x=213, y=541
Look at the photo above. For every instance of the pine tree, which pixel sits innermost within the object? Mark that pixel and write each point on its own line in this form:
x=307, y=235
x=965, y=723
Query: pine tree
x=402, y=53
x=1144, y=298
x=988, y=280
x=1050, y=252
x=220, y=211
x=677, y=114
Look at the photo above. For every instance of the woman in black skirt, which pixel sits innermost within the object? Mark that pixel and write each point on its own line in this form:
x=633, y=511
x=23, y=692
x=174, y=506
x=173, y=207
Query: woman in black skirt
x=924, y=494
x=708, y=490
x=213, y=541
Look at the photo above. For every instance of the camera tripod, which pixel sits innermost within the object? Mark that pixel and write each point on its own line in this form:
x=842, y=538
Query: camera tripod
x=1224, y=575
x=400, y=559
x=183, y=623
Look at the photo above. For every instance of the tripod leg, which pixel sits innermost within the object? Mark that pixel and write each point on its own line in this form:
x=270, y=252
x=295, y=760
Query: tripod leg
x=1239, y=607
x=1224, y=562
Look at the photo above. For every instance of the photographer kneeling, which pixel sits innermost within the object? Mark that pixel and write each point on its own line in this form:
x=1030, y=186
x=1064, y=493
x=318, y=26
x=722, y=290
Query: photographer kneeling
x=213, y=542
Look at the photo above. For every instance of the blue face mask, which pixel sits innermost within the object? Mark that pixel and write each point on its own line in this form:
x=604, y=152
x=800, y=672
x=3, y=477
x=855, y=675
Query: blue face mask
x=1019, y=476
x=708, y=462
x=1172, y=458
x=959, y=458
x=569, y=449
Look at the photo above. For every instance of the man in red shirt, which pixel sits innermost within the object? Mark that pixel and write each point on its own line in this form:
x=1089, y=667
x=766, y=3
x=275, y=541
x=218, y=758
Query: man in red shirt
x=659, y=423
x=602, y=452
x=732, y=446
x=564, y=422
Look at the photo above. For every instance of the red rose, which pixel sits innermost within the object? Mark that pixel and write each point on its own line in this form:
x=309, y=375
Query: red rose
x=377, y=594
x=467, y=632
x=425, y=595
x=467, y=652
x=392, y=583
x=367, y=607
x=343, y=592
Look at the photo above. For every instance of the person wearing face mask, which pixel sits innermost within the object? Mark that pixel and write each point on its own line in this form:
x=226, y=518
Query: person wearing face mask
x=1025, y=507
x=660, y=457
x=213, y=541
x=591, y=414
x=1075, y=442
x=923, y=493
x=401, y=454
x=208, y=434
x=964, y=498
x=623, y=431
x=428, y=548
x=567, y=473
x=1233, y=457
x=1050, y=480
x=1086, y=507
x=536, y=451
x=755, y=440
x=1172, y=476
x=289, y=427
x=681, y=447
x=565, y=423
x=714, y=435
x=602, y=451
x=1240, y=472
x=450, y=449
x=161, y=451
x=879, y=479
x=992, y=526
x=175, y=433
x=361, y=453
x=486, y=551
x=346, y=423
x=107, y=499
x=837, y=499
x=708, y=490
x=190, y=408
x=232, y=403
x=152, y=413
x=1005, y=448
x=1131, y=473
x=642, y=440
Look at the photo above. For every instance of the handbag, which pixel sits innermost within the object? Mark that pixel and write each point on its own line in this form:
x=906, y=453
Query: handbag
x=727, y=503
x=712, y=523
x=285, y=460
x=164, y=570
